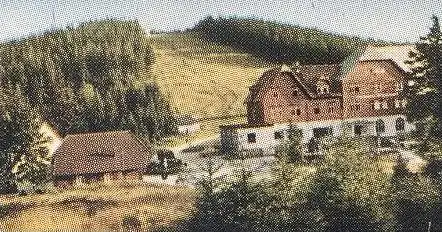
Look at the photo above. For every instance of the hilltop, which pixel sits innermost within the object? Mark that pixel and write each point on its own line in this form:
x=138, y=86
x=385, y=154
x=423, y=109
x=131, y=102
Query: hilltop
x=206, y=71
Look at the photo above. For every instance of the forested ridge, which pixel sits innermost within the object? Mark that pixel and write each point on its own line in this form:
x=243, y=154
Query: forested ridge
x=278, y=43
x=94, y=77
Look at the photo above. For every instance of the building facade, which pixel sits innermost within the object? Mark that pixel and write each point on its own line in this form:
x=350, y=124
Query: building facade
x=322, y=100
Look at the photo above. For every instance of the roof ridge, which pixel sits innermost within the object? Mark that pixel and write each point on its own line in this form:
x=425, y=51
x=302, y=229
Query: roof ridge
x=100, y=132
x=307, y=65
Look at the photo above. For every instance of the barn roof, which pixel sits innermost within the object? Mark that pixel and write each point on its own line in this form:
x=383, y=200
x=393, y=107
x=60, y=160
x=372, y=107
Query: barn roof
x=100, y=152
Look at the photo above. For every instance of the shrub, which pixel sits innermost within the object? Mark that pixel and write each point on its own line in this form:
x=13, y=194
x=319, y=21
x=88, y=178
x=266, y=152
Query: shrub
x=131, y=223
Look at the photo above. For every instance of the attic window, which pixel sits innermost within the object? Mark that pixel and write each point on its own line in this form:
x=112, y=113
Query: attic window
x=399, y=86
x=322, y=87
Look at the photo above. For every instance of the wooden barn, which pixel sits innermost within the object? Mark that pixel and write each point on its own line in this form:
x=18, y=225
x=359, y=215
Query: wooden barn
x=100, y=157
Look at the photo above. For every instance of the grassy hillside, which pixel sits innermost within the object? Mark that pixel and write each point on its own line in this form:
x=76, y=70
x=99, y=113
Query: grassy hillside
x=203, y=78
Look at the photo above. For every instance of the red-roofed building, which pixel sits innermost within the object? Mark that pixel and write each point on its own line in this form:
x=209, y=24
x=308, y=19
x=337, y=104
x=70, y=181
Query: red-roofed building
x=357, y=98
x=102, y=156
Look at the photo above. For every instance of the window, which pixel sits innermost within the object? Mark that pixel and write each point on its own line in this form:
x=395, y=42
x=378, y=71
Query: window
x=251, y=137
x=330, y=109
x=358, y=130
x=322, y=132
x=355, y=107
x=275, y=94
x=380, y=126
x=322, y=90
x=400, y=124
x=384, y=104
x=404, y=103
x=376, y=105
x=397, y=103
x=295, y=93
x=399, y=86
x=296, y=112
x=279, y=135
x=354, y=89
x=316, y=110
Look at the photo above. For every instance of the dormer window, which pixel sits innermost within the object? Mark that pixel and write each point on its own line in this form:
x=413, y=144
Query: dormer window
x=322, y=87
x=399, y=86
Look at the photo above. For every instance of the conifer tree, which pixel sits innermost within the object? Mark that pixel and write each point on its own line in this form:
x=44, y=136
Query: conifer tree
x=23, y=156
x=425, y=82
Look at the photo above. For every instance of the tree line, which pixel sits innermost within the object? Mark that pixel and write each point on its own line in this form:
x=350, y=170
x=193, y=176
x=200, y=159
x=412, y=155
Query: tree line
x=280, y=43
x=347, y=191
x=94, y=77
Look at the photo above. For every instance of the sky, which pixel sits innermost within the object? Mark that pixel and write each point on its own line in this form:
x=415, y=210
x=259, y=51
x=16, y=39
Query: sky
x=390, y=20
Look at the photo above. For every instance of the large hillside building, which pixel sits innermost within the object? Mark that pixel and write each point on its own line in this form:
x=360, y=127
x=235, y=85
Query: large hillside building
x=362, y=96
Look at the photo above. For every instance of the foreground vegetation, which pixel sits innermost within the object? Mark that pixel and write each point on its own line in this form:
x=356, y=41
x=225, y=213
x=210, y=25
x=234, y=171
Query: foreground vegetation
x=349, y=190
x=98, y=208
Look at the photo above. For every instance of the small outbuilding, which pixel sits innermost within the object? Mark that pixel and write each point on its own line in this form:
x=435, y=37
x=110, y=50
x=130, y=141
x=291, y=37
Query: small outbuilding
x=187, y=124
x=105, y=156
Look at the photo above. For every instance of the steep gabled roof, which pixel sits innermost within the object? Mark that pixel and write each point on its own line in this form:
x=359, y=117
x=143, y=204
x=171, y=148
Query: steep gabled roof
x=399, y=54
x=100, y=152
x=306, y=76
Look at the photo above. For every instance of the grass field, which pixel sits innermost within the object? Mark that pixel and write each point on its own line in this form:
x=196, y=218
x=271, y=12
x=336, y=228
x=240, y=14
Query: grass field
x=202, y=78
x=98, y=208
